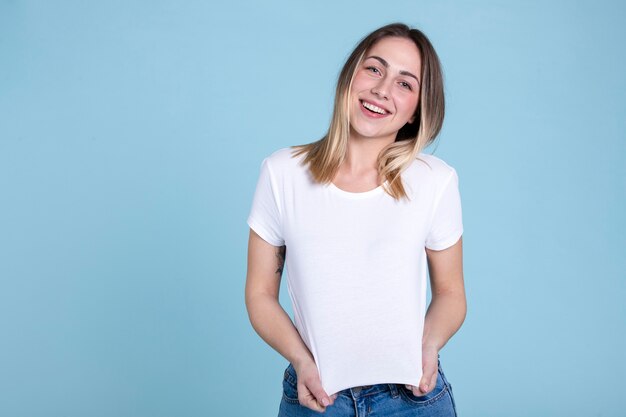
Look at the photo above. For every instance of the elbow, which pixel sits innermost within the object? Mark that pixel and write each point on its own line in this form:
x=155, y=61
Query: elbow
x=253, y=312
x=464, y=315
x=455, y=301
x=250, y=301
x=258, y=305
x=461, y=301
x=252, y=306
x=462, y=308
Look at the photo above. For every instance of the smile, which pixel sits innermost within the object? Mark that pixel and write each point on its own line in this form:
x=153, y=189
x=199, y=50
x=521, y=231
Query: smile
x=373, y=108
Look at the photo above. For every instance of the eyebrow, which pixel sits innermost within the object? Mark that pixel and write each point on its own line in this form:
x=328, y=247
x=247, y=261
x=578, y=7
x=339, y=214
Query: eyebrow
x=386, y=65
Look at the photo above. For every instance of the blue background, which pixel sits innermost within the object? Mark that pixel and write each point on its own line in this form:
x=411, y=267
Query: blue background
x=131, y=137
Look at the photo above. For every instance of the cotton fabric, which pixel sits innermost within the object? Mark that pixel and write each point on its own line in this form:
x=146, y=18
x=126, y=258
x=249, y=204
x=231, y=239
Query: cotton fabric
x=356, y=264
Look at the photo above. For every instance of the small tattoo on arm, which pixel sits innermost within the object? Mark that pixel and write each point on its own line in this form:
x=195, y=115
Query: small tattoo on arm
x=280, y=258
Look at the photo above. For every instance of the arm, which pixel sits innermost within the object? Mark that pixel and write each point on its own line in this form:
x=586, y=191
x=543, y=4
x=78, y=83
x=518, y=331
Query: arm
x=446, y=311
x=272, y=323
x=448, y=306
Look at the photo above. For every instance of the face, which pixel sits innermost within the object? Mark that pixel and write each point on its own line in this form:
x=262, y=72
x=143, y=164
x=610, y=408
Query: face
x=385, y=89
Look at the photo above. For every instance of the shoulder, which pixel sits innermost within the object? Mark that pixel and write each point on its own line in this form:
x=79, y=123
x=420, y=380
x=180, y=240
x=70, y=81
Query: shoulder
x=282, y=162
x=427, y=174
x=432, y=167
x=281, y=156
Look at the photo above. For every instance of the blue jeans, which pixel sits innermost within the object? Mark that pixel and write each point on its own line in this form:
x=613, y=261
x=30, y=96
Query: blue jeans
x=380, y=400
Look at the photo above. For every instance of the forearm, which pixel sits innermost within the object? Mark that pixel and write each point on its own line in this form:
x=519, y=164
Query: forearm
x=444, y=317
x=273, y=324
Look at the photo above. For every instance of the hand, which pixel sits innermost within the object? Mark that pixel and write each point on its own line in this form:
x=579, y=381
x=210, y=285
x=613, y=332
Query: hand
x=430, y=361
x=310, y=391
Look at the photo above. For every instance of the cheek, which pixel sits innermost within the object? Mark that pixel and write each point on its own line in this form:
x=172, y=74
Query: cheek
x=409, y=106
x=359, y=83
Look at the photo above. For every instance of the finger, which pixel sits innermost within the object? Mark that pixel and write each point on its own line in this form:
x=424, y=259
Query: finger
x=429, y=379
x=332, y=399
x=413, y=390
x=433, y=381
x=316, y=389
x=323, y=398
x=308, y=400
x=311, y=402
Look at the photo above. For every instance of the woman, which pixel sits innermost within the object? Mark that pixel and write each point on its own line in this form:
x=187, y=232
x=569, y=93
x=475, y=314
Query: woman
x=358, y=218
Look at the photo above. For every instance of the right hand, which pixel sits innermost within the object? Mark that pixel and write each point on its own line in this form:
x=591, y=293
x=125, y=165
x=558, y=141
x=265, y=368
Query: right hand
x=310, y=391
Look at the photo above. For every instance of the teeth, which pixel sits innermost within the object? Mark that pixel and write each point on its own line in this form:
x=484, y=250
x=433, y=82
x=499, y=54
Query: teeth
x=373, y=108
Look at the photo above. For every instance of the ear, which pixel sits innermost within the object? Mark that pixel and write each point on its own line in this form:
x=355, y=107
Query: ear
x=412, y=119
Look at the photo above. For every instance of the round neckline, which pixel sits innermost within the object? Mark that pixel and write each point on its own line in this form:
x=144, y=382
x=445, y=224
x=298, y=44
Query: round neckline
x=362, y=194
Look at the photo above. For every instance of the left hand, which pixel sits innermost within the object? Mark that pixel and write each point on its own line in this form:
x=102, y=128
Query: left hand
x=430, y=361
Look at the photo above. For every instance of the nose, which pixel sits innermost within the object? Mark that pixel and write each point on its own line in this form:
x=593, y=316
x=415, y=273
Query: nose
x=381, y=89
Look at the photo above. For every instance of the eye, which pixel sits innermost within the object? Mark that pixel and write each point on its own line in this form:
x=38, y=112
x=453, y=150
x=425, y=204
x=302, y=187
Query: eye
x=373, y=69
x=406, y=85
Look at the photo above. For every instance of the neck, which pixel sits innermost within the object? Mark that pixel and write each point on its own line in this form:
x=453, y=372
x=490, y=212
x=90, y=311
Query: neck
x=362, y=153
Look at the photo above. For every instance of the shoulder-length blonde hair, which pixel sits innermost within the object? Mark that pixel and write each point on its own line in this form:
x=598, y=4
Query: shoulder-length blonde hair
x=326, y=155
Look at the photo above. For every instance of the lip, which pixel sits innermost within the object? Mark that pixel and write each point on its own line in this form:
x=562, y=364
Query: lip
x=372, y=114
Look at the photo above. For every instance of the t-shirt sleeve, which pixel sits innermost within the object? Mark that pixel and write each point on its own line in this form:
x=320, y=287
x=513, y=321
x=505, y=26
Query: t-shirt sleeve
x=447, y=224
x=264, y=217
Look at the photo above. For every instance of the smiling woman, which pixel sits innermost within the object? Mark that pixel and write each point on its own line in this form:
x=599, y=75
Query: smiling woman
x=384, y=93
x=358, y=219
x=392, y=56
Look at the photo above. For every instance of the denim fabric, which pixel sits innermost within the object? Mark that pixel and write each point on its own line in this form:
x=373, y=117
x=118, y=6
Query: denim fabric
x=376, y=400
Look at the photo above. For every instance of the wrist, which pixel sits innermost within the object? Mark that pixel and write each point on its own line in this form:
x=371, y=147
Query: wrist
x=301, y=361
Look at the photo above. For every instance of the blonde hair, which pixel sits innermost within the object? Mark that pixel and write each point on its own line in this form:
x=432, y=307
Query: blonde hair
x=326, y=155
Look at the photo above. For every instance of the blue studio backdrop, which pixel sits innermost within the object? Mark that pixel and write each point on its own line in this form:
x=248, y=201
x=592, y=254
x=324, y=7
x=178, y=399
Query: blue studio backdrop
x=131, y=137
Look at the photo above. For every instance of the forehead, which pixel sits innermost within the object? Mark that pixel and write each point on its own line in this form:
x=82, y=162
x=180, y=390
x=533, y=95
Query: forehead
x=400, y=53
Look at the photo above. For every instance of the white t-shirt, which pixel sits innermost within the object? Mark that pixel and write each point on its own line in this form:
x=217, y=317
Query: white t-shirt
x=356, y=265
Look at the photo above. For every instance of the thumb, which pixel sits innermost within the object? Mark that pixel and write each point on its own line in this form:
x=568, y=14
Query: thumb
x=429, y=378
x=318, y=392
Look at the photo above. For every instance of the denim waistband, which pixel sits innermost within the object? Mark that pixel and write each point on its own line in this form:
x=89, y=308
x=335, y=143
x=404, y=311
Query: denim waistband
x=365, y=390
